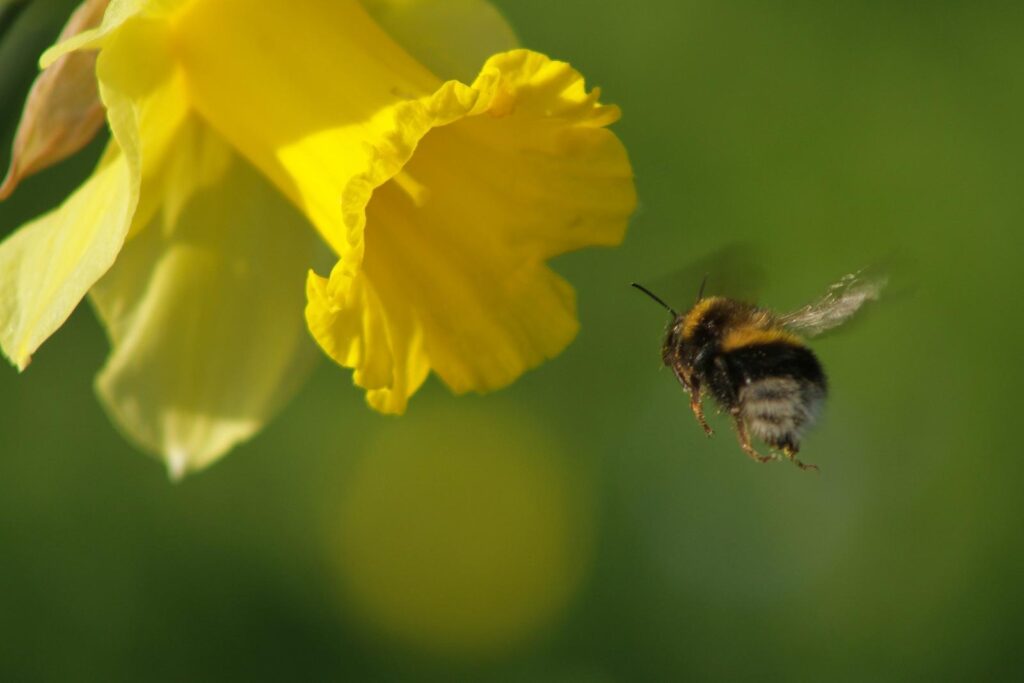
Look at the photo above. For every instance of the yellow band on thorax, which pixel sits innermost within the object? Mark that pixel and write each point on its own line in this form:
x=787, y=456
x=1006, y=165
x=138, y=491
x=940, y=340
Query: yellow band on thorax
x=751, y=335
x=697, y=313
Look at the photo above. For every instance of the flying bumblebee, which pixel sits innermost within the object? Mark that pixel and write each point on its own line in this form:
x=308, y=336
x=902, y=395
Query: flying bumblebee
x=755, y=364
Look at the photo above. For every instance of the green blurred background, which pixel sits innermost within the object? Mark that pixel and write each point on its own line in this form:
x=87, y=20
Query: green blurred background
x=578, y=526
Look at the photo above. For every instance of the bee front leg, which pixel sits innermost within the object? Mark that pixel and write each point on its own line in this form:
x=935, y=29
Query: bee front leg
x=698, y=412
x=693, y=389
x=744, y=439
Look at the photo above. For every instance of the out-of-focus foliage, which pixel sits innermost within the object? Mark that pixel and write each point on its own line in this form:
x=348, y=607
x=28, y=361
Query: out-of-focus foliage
x=579, y=526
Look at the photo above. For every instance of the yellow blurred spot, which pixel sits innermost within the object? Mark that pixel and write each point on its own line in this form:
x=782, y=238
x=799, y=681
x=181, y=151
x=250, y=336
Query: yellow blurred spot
x=462, y=532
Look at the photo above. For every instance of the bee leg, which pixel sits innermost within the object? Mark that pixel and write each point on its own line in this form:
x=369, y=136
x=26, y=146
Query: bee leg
x=790, y=452
x=694, y=391
x=698, y=412
x=744, y=438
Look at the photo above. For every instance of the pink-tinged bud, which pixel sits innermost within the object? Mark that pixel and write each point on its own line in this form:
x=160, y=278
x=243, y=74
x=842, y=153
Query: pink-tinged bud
x=63, y=110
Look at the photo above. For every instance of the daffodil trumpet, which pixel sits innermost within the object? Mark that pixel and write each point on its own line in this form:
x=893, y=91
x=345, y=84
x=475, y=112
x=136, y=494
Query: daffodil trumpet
x=387, y=178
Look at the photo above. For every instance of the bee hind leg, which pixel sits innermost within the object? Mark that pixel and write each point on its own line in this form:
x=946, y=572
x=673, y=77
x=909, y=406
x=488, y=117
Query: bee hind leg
x=790, y=451
x=744, y=439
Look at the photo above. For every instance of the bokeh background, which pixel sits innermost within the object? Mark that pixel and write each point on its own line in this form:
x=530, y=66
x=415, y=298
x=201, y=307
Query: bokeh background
x=579, y=526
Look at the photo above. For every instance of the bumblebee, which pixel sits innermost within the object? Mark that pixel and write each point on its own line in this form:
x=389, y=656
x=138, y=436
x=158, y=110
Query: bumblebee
x=754, y=363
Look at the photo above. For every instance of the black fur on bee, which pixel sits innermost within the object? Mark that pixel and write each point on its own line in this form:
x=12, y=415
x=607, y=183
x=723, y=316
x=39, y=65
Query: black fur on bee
x=751, y=361
x=764, y=376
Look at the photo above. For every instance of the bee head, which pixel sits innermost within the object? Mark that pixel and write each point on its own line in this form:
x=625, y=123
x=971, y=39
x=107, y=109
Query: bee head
x=673, y=338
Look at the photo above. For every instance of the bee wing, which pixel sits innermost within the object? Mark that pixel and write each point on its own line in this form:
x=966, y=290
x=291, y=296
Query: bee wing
x=734, y=271
x=838, y=305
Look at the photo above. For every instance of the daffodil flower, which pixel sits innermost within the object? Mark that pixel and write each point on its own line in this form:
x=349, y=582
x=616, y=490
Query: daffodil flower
x=398, y=159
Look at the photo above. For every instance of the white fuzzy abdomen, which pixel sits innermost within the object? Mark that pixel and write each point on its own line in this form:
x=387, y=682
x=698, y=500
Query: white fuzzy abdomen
x=779, y=409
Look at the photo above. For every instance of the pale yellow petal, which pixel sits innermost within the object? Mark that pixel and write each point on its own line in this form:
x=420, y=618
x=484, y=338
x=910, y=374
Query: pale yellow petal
x=48, y=265
x=452, y=38
x=457, y=241
x=204, y=311
x=117, y=13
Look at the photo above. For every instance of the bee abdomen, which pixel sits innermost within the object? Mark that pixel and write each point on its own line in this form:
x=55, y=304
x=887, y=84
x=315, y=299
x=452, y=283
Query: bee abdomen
x=779, y=390
x=779, y=409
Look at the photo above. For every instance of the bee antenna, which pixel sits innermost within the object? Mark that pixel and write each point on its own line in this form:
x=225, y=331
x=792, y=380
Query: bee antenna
x=655, y=297
x=700, y=292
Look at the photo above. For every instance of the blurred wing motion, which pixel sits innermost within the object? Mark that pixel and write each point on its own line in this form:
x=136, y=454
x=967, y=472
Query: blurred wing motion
x=734, y=271
x=839, y=303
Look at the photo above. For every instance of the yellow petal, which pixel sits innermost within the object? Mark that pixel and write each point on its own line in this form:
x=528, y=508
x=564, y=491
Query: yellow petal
x=48, y=265
x=456, y=242
x=317, y=112
x=384, y=345
x=452, y=38
x=62, y=112
x=117, y=13
x=204, y=310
